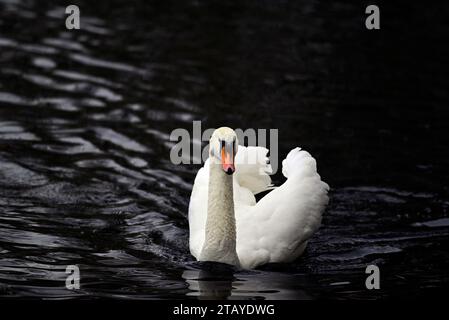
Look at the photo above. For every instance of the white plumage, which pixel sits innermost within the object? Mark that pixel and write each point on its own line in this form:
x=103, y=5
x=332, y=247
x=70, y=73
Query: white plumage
x=275, y=229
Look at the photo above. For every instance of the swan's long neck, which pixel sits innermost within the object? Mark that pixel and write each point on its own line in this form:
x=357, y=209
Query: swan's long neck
x=220, y=240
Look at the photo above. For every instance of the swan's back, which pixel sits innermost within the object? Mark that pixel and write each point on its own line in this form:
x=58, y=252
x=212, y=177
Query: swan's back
x=277, y=228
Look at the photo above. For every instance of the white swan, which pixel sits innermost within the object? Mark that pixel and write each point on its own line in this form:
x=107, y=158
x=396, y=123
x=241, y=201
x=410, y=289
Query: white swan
x=227, y=225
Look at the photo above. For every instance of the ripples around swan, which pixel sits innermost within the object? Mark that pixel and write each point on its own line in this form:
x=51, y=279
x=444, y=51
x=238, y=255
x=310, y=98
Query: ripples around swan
x=85, y=173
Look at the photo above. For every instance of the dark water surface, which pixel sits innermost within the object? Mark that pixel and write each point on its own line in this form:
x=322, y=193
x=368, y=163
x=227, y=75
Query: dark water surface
x=85, y=118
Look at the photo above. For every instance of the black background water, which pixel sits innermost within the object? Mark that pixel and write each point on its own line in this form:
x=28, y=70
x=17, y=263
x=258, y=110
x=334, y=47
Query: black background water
x=85, y=118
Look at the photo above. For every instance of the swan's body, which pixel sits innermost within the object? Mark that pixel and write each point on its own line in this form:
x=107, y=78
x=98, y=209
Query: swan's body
x=226, y=223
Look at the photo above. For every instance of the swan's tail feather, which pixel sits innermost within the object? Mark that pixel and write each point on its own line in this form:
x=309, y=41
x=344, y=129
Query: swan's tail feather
x=299, y=163
x=253, y=169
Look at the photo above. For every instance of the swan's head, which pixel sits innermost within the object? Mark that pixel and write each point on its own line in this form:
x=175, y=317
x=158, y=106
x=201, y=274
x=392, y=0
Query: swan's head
x=223, y=146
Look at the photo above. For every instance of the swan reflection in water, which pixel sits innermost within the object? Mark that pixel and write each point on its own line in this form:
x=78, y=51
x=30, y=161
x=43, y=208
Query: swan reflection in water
x=225, y=283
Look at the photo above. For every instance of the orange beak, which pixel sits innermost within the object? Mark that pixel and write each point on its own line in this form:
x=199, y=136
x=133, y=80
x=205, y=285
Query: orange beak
x=227, y=160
